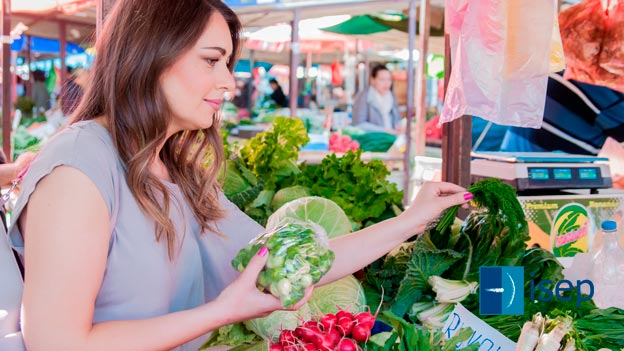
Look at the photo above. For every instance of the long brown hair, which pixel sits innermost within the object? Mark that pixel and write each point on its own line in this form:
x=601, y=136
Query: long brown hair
x=139, y=41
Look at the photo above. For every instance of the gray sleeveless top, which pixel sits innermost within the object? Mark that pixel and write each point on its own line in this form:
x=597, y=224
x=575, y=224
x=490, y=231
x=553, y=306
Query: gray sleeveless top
x=140, y=281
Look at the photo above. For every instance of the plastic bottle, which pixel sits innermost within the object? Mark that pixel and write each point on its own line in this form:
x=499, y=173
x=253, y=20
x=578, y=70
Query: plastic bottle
x=607, y=268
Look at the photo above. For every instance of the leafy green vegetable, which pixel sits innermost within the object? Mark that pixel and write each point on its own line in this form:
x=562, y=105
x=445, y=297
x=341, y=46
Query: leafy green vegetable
x=24, y=141
x=386, y=274
x=298, y=257
x=601, y=329
x=345, y=293
x=289, y=194
x=315, y=209
x=423, y=263
x=232, y=335
x=272, y=155
x=270, y=327
x=359, y=188
x=500, y=199
x=406, y=336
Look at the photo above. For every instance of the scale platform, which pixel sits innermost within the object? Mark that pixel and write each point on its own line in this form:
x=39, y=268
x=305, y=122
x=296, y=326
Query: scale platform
x=534, y=171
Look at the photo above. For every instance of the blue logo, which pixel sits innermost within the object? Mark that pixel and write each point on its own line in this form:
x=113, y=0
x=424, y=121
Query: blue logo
x=501, y=290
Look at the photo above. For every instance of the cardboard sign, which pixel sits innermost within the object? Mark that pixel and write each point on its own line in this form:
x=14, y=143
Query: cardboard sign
x=490, y=338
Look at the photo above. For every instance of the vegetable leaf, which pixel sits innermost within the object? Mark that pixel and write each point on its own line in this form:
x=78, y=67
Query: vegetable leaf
x=423, y=263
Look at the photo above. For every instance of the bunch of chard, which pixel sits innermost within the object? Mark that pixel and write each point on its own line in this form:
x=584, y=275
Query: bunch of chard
x=331, y=332
x=545, y=334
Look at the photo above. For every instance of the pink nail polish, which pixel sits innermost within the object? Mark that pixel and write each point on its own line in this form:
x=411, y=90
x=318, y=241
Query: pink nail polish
x=468, y=196
x=263, y=251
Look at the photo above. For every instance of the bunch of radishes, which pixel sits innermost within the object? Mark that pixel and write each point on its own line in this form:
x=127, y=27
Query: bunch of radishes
x=331, y=332
x=342, y=143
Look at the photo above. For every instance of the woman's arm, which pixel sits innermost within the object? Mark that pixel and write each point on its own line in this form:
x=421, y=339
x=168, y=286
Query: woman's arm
x=356, y=250
x=66, y=231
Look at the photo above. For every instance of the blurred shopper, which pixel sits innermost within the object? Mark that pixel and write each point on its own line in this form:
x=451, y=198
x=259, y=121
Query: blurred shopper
x=73, y=89
x=40, y=94
x=278, y=95
x=375, y=108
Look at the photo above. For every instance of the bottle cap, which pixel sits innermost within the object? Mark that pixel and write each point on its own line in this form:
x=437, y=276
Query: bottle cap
x=609, y=225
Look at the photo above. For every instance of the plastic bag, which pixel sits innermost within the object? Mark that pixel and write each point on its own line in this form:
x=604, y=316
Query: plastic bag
x=500, y=52
x=299, y=256
x=593, y=42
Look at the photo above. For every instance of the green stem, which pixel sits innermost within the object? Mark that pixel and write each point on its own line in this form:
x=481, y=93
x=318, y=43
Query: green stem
x=469, y=261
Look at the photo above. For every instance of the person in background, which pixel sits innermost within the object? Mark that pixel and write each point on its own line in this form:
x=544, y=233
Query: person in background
x=139, y=256
x=40, y=94
x=9, y=171
x=73, y=89
x=375, y=108
x=278, y=94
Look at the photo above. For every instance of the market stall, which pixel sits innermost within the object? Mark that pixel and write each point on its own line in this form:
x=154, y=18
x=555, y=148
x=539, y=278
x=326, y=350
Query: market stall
x=494, y=278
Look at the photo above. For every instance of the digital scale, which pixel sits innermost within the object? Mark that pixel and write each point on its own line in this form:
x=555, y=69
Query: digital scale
x=539, y=171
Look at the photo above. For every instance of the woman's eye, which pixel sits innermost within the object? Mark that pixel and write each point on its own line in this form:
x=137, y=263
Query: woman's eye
x=211, y=61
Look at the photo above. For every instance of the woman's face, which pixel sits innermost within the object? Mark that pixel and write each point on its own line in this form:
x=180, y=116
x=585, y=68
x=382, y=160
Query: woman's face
x=194, y=85
x=382, y=82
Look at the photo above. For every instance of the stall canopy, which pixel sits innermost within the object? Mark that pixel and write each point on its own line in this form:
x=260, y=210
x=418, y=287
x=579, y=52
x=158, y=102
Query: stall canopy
x=369, y=24
x=45, y=46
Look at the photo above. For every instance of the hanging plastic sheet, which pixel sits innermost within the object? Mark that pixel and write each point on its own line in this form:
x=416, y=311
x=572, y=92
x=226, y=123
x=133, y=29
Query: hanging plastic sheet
x=593, y=42
x=500, y=53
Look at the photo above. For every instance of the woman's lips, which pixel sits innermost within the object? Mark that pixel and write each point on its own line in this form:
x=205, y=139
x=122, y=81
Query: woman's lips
x=215, y=104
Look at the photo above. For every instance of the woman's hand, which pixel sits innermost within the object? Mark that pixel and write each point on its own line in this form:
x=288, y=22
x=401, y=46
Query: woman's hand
x=243, y=298
x=431, y=200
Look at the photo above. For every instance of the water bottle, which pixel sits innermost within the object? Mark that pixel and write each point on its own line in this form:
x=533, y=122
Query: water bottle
x=607, y=268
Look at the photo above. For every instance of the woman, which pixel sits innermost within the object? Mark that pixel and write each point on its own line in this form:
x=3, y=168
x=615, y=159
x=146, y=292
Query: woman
x=138, y=257
x=375, y=108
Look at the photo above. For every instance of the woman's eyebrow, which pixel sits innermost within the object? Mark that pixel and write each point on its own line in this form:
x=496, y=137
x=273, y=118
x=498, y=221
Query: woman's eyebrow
x=217, y=48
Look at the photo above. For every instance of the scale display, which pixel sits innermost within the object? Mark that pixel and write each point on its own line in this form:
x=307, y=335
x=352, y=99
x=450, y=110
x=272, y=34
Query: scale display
x=539, y=174
x=588, y=173
x=564, y=175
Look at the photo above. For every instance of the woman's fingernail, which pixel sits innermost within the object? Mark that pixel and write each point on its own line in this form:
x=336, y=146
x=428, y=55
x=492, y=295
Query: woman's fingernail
x=263, y=251
x=468, y=196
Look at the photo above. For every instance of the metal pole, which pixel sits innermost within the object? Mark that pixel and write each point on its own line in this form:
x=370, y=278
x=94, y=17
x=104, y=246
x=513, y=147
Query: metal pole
x=421, y=86
x=63, y=51
x=456, y=136
x=250, y=85
x=6, y=79
x=294, y=63
x=28, y=84
x=407, y=158
x=103, y=7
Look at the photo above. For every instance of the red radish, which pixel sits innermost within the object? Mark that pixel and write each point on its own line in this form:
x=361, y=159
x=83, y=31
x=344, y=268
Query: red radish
x=329, y=321
x=335, y=335
x=287, y=337
x=290, y=348
x=309, y=335
x=308, y=347
x=324, y=342
x=365, y=319
x=343, y=313
x=299, y=332
x=311, y=324
x=347, y=345
x=275, y=347
x=345, y=325
x=360, y=333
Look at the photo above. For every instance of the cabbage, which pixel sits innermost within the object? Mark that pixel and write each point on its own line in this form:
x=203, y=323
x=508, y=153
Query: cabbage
x=347, y=293
x=286, y=195
x=315, y=209
x=270, y=326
